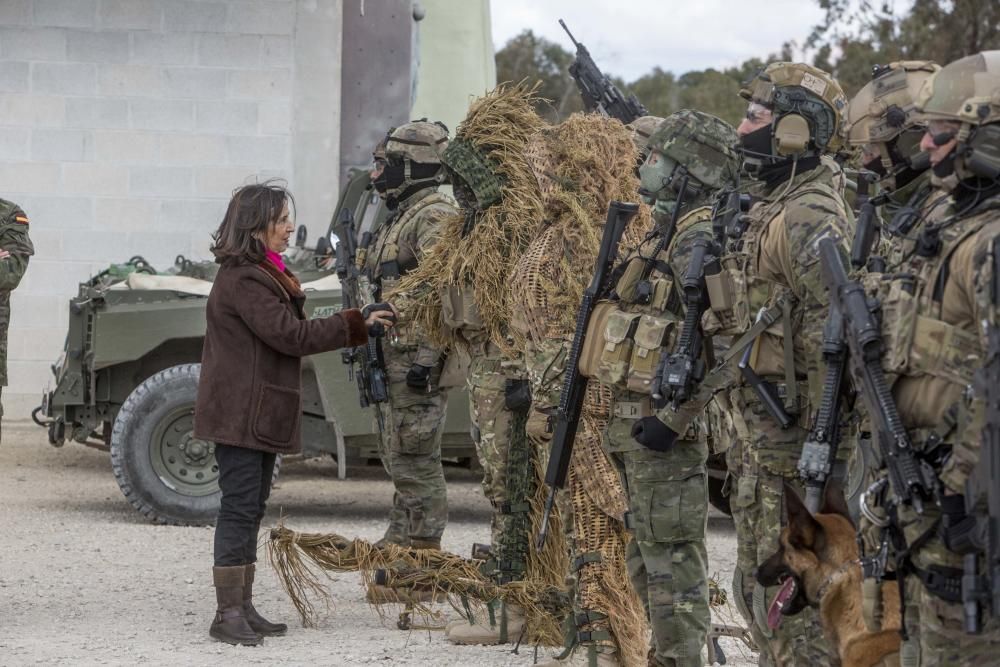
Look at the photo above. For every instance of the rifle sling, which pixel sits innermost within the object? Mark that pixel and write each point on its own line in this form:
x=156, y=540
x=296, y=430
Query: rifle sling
x=788, y=347
x=769, y=317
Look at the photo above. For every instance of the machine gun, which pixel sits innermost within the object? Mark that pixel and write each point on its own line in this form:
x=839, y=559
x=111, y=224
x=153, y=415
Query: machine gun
x=982, y=489
x=574, y=384
x=912, y=480
x=372, y=386
x=597, y=90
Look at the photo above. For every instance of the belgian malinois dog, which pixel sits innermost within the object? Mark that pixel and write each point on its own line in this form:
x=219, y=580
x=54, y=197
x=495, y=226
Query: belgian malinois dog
x=817, y=565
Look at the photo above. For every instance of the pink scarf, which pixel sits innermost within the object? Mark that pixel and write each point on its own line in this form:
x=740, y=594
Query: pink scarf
x=276, y=260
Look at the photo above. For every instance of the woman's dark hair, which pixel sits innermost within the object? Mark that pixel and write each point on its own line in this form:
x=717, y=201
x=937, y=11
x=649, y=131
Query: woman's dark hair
x=251, y=211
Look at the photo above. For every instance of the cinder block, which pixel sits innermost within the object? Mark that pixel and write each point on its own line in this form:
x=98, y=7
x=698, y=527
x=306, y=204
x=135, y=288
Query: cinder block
x=126, y=146
x=190, y=149
x=126, y=214
x=172, y=48
x=42, y=345
x=96, y=112
x=317, y=117
x=274, y=117
x=221, y=181
x=48, y=276
x=64, y=78
x=226, y=117
x=276, y=17
x=33, y=44
x=184, y=16
x=32, y=110
x=97, y=47
x=130, y=14
x=195, y=82
x=63, y=14
x=160, y=248
x=49, y=211
x=267, y=152
x=130, y=80
x=29, y=177
x=200, y=217
x=275, y=51
x=167, y=115
x=216, y=50
x=62, y=145
x=260, y=84
x=30, y=311
x=29, y=378
x=93, y=245
x=15, y=12
x=13, y=77
x=88, y=178
x=161, y=181
x=14, y=144
x=47, y=242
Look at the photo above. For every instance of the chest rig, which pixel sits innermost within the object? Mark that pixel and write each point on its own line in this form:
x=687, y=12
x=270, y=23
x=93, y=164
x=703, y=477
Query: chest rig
x=383, y=267
x=629, y=335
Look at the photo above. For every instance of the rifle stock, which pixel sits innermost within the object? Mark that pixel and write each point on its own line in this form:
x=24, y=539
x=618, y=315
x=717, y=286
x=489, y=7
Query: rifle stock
x=574, y=384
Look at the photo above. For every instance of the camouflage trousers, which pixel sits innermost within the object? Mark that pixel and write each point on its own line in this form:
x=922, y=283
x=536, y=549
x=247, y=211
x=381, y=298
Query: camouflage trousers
x=667, y=560
x=506, y=458
x=411, y=453
x=761, y=461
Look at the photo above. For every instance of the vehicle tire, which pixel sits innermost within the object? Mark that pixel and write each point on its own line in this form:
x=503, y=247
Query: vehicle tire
x=167, y=474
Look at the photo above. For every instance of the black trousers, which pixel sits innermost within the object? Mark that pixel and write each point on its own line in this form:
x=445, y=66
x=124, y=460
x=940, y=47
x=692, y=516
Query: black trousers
x=245, y=480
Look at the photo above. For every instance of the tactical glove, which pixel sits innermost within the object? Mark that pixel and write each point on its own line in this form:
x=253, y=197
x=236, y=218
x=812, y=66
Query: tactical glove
x=418, y=377
x=653, y=434
x=377, y=330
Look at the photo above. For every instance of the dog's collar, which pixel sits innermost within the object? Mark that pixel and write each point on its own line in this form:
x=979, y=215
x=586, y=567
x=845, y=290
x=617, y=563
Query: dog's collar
x=835, y=576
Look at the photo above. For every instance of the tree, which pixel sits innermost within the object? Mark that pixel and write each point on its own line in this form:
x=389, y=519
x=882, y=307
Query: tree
x=532, y=58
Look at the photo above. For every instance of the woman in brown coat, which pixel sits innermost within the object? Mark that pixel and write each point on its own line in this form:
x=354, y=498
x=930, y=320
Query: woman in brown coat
x=249, y=394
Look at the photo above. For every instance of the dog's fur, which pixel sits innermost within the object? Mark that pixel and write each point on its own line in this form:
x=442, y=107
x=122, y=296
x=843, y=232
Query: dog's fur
x=822, y=549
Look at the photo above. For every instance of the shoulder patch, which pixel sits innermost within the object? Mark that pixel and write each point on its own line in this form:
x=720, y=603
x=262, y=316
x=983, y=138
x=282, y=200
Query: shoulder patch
x=21, y=219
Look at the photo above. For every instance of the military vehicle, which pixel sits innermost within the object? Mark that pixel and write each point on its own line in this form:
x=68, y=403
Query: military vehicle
x=128, y=375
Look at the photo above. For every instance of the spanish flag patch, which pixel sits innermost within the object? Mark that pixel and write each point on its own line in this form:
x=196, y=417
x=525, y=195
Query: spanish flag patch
x=21, y=219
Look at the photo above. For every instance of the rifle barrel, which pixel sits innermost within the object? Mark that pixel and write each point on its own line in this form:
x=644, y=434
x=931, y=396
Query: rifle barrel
x=571, y=37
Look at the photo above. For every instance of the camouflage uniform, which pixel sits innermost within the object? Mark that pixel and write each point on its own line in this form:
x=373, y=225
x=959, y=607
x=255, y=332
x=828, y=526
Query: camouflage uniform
x=411, y=437
x=667, y=490
x=15, y=240
x=933, y=304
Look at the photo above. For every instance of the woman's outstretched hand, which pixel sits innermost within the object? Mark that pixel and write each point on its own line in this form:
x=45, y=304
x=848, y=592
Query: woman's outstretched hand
x=379, y=317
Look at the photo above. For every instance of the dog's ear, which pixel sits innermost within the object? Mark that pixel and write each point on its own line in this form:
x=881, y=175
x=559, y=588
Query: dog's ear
x=803, y=529
x=834, y=501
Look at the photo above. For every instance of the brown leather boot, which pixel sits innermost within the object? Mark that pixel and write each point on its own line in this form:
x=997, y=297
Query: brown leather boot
x=230, y=624
x=255, y=620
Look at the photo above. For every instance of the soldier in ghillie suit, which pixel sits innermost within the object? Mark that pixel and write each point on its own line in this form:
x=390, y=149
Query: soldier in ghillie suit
x=15, y=251
x=690, y=159
x=463, y=282
x=407, y=174
x=581, y=165
x=770, y=300
x=939, y=313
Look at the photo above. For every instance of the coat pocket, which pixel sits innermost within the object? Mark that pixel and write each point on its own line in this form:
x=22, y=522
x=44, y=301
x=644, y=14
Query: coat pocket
x=277, y=415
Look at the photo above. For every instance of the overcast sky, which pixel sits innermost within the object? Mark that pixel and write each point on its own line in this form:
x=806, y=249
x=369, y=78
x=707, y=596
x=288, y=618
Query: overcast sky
x=632, y=37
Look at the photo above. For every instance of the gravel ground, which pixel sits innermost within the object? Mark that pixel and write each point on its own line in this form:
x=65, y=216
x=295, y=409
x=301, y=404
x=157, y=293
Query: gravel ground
x=84, y=580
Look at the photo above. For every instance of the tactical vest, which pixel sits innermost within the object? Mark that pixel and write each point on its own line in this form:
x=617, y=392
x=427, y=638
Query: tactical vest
x=627, y=337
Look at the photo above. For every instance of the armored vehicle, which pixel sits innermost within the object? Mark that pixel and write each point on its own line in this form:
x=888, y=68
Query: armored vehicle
x=128, y=375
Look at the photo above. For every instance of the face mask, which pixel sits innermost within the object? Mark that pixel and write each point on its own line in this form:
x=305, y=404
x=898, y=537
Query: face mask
x=757, y=144
x=654, y=178
x=392, y=177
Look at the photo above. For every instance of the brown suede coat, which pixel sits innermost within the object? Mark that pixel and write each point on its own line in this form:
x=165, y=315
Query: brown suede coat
x=250, y=394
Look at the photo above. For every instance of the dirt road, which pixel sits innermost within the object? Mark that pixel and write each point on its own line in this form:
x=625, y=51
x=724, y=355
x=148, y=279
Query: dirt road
x=84, y=580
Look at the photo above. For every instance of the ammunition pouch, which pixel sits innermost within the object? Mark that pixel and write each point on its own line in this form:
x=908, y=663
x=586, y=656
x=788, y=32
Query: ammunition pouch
x=459, y=309
x=623, y=349
x=728, y=297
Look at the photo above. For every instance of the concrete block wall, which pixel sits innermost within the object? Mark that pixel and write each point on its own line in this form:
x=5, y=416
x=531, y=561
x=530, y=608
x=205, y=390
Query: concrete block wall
x=126, y=124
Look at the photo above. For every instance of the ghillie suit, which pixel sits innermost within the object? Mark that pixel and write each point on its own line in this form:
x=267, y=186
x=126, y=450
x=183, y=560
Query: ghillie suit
x=581, y=165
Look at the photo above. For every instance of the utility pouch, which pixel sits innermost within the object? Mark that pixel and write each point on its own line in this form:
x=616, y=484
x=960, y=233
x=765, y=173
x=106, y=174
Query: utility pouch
x=593, y=344
x=650, y=341
x=517, y=395
x=899, y=323
x=728, y=299
x=458, y=308
x=627, y=284
x=613, y=365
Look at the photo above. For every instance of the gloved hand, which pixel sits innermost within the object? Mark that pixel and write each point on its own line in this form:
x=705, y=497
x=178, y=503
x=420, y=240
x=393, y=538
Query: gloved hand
x=418, y=377
x=376, y=329
x=653, y=434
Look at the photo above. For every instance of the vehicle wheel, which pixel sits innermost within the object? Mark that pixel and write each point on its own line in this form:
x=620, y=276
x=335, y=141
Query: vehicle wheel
x=166, y=473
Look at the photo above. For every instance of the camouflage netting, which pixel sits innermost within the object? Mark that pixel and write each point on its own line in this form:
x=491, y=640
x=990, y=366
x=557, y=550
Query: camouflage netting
x=304, y=561
x=498, y=126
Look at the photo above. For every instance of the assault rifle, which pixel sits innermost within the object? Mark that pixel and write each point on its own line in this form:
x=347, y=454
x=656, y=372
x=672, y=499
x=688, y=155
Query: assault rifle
x=597, y=90
x=913, y=481
x=372, y=388
x=574, y=384
x=820, y=449
x=982, y=489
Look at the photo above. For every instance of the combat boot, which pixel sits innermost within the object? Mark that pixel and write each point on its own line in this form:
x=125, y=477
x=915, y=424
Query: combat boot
x=586, y=656
x=255, y=620
x=506, y=628
x=230, y=624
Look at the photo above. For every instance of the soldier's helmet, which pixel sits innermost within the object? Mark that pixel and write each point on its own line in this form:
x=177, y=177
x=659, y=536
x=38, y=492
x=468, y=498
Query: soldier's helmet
x=794, y=90
x=378, y=153
x=642, y=129
x=703, y=144
x=419, y=141
x=885, y=106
